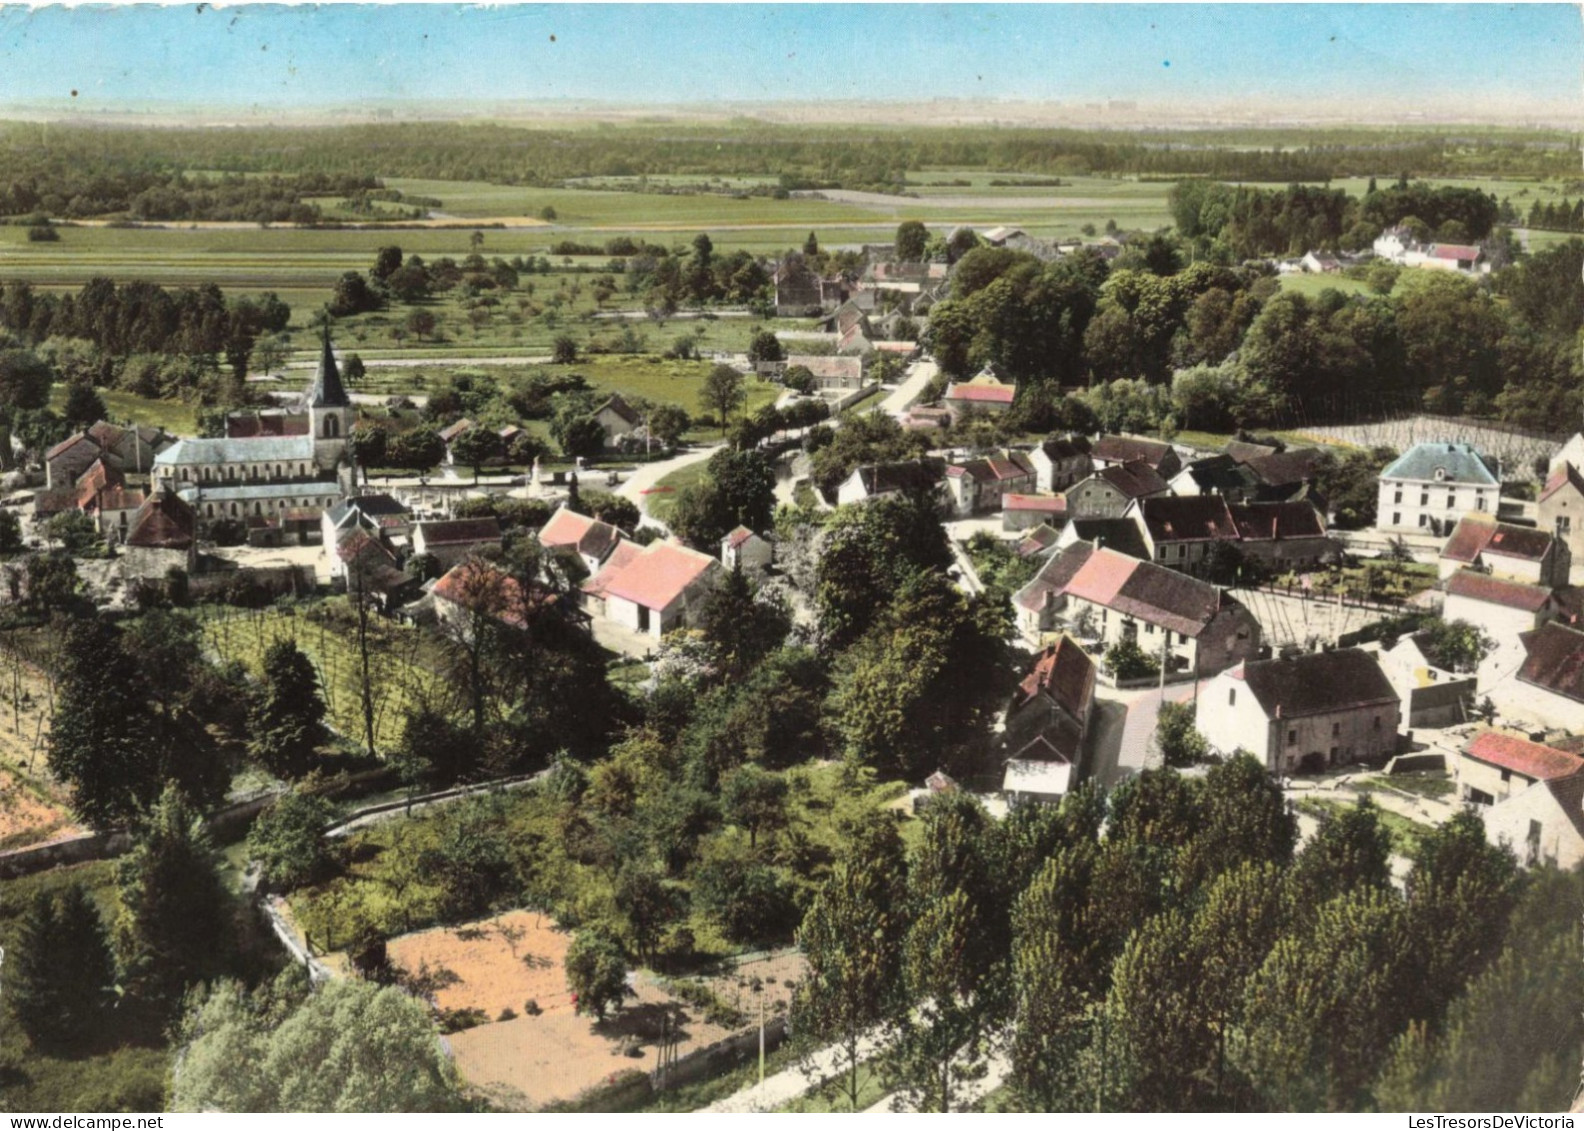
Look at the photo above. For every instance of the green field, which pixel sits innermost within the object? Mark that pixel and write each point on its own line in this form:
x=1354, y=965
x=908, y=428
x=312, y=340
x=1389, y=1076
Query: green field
x=1311, y=285
x=175, y=417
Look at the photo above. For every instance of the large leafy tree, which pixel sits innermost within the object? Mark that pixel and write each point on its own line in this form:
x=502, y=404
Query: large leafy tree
x=287, y=719
x=287, y=840
x=1351, y=849
x=596, y=971
x=352, y=1046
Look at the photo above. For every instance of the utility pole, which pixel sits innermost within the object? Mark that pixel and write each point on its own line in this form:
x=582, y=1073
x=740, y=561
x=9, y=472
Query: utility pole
x=759, y=989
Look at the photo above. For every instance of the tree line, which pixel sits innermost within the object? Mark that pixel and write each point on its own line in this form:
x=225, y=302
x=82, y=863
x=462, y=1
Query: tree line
x=1167, y=948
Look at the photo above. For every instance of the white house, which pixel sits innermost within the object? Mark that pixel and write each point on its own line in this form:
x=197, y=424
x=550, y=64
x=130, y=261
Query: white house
x=1516, y=553
x=1494, y=766
x=663, y=587
x=874, y=480
x=1431, y=696
x=1305, y=714
x=1502, y=609
x=1548, y=688
x=1571, y=452
x=1431, y=486
x=1059, y=463
x=588, y=539
x=1543, y=823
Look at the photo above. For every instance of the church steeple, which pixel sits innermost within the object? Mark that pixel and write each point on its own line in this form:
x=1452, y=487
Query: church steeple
x=326, y=390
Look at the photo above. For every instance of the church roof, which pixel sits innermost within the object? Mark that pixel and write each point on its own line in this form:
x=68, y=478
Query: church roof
x=326, y=390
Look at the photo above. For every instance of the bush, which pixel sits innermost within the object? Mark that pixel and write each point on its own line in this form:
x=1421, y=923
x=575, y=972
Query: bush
x=1126, y=660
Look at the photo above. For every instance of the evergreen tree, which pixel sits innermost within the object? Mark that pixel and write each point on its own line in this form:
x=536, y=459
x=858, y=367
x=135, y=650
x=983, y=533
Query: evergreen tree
x=62, y=975
x=172, y=930
x=287, y=719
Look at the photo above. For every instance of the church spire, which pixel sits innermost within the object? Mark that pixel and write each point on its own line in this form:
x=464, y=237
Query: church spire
x=326, y=390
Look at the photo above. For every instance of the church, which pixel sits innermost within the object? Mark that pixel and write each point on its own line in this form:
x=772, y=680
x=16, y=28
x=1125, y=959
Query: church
x=271, y=481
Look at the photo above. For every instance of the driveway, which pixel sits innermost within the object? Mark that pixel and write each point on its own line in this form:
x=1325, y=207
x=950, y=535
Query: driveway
x=649, y=474
x=911, y=388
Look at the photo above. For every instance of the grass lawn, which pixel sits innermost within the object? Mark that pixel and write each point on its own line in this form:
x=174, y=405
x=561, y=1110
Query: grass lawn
x=662, y=502
x=1312, y=285
x=176, y=417
x=114, y=1076
x=1429, y=784
x=1404, y=833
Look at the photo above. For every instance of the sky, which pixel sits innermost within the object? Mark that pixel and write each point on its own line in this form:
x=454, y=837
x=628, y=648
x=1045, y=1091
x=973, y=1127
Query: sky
x=341, y=54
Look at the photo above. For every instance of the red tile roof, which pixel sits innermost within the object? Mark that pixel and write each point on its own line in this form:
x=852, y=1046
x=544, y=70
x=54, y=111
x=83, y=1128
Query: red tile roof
x=1566, y=474
x=1042, y=537
x=1531, y=759
x=482, y=587
x=1132, y=587
x=1044, y=504
x=452, y=431
x=982, y=394
x=569, y=530
x=658, y=576
x=163, y=522
x=1510, y=594
x=1554, y=660
x=737, y=537
x=1454, y=251
x=1065, y=673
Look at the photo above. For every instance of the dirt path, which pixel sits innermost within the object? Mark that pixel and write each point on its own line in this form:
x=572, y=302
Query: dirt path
x=649, y=474
x=788, y=1084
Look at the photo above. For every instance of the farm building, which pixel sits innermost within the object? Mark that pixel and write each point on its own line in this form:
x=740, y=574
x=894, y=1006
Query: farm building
x=163, y=536
x=453, y=540
x=1305, y=714
x=1494, y=766
x=663, y=586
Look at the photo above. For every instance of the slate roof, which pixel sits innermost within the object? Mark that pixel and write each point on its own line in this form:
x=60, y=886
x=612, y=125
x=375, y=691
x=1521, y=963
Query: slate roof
x=1286, y=469
x=658, y=576
x=1188, y=518
x=614, y=403
x=255, y=450
x=460, y=531
x=1124, y=449
x=1461, y=463
x=1493, y=590
x=1058, y=448
x=1317, y=683
x=247, y=492
x=68, y=443
x=163, y=522
x=1567, y=474
x=1241, y=450
x=326, y=390
x=1135, y=479
x=1477, y=534
x=1531, y=759
x=1266, y=522
x=1119, y=534
x=908, y=475
x=1554, y=660
x=1221, y=475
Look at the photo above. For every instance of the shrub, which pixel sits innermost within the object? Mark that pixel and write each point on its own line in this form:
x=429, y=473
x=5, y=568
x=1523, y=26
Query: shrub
x=1126, y=660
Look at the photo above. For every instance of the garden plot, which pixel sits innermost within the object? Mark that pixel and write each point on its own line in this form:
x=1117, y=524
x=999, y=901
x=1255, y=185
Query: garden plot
x=33, y=806
x=534, y=1059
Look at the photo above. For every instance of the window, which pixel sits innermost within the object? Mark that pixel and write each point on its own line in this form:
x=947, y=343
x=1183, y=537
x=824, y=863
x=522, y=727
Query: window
x=1451, y=501
x=1149, y=629
x=1231, y=697
x=1424, y=498
x=1424, y=520
x=1506, y=775
x=1336, y=730
x=1396, y=518
x=1397, y=495
x=1292, y=738
x=1479, y=502
x=1377, y=722
x=1564, y=525
x=1182, y=638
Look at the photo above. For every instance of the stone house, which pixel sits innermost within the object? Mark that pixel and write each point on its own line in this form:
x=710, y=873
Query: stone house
x=745, y=550
x=1502, y=609
x=1493, y=766
x=452, y=541
x=1304, y=714
x=1514, y=553
x=1060, y=462
x=1110, y=491
x=1114, y=451
x=1561, y=508
x=163, y=535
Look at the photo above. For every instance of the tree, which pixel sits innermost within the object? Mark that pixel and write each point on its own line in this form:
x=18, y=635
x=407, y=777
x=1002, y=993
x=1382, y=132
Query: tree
x=418, y=450
x=765, y=346
x=564, y=350
x=852, y=937
x=421, y=323
x=287, y=840
x=1455, y=646
x=722, y=391
x=743, y=626
x=1351, y=849
x=25, y=380
x=1180, y=743
x=83, y=405
x=352, y=296
x=1126, y=660
x=353, y=370
x=750, y=901
x=582, y=436
x=173, y=928
x=811, y=245
x=798, y=378
x=1246, y=820
x=350, y=1046
x=62, y=973
x=476, y=447
x=668, y=422
x=912, y=237
x=10, y=532
x=369, y=446
x=753, y=798
x=387, y=260
x=287, y=718
x=596, y=971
